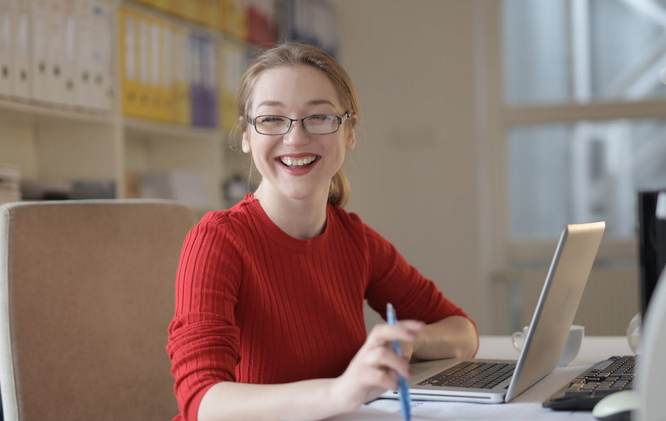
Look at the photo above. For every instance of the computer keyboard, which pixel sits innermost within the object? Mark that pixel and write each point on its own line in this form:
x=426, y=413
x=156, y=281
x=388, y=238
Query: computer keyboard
x=477, y=375
x=600, y=380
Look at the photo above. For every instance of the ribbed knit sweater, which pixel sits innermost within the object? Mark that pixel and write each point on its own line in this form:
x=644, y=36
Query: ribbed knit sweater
x=255, y=305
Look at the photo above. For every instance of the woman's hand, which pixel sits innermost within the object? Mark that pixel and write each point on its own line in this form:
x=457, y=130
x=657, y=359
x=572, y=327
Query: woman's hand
x=374, y=368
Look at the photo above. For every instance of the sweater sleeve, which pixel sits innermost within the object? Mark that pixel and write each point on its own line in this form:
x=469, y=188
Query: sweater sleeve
x=203, y=336
x=393, y=280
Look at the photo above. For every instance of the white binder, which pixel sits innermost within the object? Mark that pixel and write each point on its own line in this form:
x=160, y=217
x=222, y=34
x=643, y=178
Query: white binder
x=39, y=64
x=102, y=63
x=68, y=82
x=84, y=68
x=6, y=46
x=22, y=74
x=55, y=51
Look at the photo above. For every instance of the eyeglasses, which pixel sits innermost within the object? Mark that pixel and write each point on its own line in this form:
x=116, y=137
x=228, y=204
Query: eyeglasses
x=274, y=125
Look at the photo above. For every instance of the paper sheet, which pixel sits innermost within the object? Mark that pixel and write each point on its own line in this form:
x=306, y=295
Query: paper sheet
x=526, y=406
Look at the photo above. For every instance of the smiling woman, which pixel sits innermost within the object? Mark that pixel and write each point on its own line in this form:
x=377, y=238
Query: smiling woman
x=269, y=296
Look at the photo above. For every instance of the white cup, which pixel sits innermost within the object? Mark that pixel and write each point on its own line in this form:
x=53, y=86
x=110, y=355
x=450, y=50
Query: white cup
x=571, y=347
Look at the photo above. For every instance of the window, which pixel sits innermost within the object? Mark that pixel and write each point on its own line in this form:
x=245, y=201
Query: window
x=576, y=56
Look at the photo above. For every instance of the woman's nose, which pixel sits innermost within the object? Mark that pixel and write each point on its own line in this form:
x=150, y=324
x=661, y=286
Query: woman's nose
x=297, y=135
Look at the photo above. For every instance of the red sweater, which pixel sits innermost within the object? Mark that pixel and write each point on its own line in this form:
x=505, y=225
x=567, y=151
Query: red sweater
x=255, y=305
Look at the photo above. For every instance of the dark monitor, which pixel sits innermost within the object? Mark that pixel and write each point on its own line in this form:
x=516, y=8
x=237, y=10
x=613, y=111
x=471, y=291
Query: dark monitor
x=651, y=241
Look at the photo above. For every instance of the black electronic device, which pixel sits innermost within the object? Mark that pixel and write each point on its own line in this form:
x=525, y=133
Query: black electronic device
x=651, y=242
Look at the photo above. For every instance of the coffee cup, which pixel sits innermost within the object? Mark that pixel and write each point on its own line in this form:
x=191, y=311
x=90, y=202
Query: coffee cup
x=571, y=347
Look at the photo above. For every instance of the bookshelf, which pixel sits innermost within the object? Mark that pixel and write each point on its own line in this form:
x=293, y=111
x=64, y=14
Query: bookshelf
x=55, y=134
x=51, y=142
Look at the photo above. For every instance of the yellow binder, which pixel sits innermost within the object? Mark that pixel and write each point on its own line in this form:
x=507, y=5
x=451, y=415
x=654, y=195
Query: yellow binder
x=181, y=86
x=233, y=18
x=231, y=59
x=129, y=62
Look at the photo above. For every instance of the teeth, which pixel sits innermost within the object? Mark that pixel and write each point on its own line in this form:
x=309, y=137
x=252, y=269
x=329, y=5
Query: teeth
x=297, y=162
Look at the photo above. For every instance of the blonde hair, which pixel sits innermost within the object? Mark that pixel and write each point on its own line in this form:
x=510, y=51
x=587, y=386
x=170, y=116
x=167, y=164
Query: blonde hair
x=291, y=54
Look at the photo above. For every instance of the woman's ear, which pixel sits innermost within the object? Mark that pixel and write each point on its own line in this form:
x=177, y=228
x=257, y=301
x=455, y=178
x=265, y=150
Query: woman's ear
x=246, y=143
x=351, y=139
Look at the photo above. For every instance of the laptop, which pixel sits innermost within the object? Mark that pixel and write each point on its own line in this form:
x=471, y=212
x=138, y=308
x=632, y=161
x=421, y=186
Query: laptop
x=497, y=381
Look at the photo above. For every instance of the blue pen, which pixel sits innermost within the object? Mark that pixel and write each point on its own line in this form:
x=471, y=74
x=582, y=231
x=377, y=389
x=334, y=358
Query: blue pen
x=403, y=388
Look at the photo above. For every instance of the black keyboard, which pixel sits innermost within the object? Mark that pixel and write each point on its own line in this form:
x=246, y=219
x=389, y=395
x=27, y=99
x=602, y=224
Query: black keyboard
x=600, y=380
x=471, y=375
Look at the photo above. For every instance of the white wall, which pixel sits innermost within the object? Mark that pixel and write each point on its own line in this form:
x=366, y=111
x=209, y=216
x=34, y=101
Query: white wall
x=414, y=170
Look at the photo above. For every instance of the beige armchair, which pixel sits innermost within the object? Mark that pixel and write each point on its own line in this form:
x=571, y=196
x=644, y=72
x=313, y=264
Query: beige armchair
x=86, y=296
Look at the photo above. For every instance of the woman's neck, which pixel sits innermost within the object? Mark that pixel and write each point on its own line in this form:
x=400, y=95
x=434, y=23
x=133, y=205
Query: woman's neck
x=300, y=218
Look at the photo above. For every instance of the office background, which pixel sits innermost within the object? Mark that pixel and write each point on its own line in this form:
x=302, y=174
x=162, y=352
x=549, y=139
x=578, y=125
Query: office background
x=486, y=126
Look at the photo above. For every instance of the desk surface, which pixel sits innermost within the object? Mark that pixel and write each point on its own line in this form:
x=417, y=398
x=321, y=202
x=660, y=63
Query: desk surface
x=526, y=406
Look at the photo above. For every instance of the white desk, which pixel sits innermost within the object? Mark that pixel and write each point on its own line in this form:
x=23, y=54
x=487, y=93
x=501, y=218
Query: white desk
x=526, y=406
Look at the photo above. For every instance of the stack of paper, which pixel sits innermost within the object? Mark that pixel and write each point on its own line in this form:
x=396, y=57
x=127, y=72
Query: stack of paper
x=10, y=177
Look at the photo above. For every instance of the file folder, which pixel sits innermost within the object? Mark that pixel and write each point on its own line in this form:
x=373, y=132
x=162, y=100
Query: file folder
x=55, y=52
x=155, y=72
x=104, y=55
x=196, y=82
x=181, y=64
x=20, y=66
x=6, y=47
x=84, y=72
x=144, y=70
x=129, y=61
x=68, y=81
x=166, y=65
x=233, y=18
x=231, y=65
x=209, y=82
x=39, y=64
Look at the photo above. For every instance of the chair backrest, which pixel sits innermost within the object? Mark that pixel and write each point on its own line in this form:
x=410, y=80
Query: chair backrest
x=86, y=296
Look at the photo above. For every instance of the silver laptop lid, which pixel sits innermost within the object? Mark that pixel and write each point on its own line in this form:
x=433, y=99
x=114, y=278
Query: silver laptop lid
x=557, y=305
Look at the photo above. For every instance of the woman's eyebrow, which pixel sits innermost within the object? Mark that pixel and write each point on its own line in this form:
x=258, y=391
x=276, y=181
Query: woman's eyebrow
x=270, y=103
x=320, y=102
x=273, y=103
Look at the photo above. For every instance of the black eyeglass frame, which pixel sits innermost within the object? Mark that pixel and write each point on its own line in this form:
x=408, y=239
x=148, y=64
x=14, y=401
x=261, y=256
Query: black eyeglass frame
x=341, y=120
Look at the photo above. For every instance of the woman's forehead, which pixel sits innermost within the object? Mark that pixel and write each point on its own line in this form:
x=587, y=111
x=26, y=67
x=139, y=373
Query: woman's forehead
x=298, y=85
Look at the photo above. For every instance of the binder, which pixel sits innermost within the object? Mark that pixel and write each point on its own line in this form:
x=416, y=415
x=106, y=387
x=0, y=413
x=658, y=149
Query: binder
x=6, y=46
x=180, y=65
x=166, y=67
x=195, y=78
x=154, y=87
x=230, y=70
x=129, y=63
x=21, y=74
x=85, y=92
x=104, y=55
x=211, y=13
x=39, y=58
x=144, y=70
x=68, y=80
x=234, y=18
x=209, y=82
x=190, y=10
x=56, y=43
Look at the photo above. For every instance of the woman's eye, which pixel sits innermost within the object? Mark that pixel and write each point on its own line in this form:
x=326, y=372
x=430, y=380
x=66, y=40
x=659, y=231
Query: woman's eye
x=271, y=120
x=319, y=118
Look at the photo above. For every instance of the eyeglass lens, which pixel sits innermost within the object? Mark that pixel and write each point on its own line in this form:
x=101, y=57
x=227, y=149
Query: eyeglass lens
x=279, y=125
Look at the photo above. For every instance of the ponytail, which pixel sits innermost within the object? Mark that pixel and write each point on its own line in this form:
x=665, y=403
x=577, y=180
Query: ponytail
x=339, y=193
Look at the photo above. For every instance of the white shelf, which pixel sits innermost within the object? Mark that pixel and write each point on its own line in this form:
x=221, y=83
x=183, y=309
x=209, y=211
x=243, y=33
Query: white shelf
x=143, y=128
x=28, y=111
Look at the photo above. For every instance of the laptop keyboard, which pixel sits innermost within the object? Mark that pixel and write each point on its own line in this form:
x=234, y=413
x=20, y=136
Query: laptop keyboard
x=477, y=375
x=602, y=379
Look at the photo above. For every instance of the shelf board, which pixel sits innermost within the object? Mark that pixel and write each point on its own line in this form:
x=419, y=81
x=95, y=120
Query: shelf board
x=144, y=128
x=33, y=112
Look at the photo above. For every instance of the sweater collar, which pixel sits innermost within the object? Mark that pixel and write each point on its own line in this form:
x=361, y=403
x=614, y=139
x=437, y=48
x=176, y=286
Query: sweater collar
x=280, y=237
